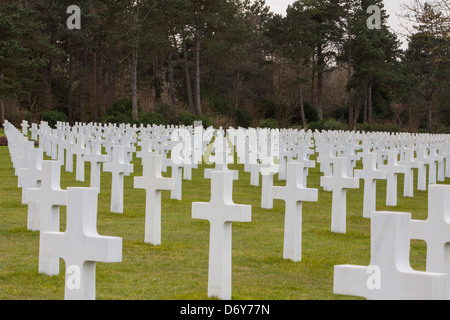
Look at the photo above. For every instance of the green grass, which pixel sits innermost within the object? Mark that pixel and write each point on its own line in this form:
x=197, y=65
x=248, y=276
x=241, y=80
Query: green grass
x=178, y=268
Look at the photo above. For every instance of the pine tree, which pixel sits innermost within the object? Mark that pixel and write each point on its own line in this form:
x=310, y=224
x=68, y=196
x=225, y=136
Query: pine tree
x=22, y=44
x=374, y=56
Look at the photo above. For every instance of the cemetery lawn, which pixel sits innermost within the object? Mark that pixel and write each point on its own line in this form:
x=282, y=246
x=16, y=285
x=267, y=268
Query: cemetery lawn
x=178, y=268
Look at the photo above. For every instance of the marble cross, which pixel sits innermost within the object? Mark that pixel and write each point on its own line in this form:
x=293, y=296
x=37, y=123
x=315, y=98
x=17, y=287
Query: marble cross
x=435, y=230
x=389, y=275
x=118, y=168
x=393, y=168
x=80, y=245
x=30, y=175
x=422, y=160
x=220, y=211
x=47, y=200
x=338, y=183
x=294, y=194
x=153, y=183
x=96, y=158
x=33, y=177
x=370, y=174
x=325, y=159
x=80, y=151
x=410, y=164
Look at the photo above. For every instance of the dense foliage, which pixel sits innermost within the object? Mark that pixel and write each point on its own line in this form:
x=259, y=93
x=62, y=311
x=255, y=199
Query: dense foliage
x=228, y=62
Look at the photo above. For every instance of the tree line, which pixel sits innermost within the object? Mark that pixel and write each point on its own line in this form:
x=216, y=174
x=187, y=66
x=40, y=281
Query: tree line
x=233, y=61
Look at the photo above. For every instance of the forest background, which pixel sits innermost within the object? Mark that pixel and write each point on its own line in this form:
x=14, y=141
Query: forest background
x=227, y=63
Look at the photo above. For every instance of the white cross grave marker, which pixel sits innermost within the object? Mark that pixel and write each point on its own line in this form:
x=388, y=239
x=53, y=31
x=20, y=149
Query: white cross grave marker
x=370, y=174
x=325, y=158
x=294, y=194
x=410, y=163
x=96, y=158
x=25, y=127
x=153, y=183
x=393, y=168
x=423, y=161
x=33, y=176
x=435, y=230
x=176, y=174
x=30, y=176
x=220, y=211
x=267, y=173
x=118, y=168
x=338, y=183
x=221, y=157
x=47, y=200
x=80, y=245
x=69, y=144
x=80, y=151
x=389, y=275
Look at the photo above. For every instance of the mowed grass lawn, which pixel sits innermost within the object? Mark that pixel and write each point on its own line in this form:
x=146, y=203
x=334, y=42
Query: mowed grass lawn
x=178, y=268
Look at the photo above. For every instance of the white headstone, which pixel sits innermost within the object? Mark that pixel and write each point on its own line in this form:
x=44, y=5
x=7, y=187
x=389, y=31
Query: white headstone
x=80, y=151
x=393, y=168
x=33, y=175
x=370, y=174
x=80, y=245
x=96, y=158
x=177, y=176
x=267, y=173
x=435, y=230
x=68, y=145
x=153, y=183
x=325, y=158
x=409, y=163
x=221, y=156
x=30, y=176
x=389, y=275
x=47, y=200
x=220, y=211
x=338, y=183
x=422, y=160
x=118, y=168
x=24, y=126
x=294, y=194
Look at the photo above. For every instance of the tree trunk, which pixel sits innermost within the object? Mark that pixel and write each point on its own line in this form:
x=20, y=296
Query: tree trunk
x=349, y=76
x=69, y=91
x=47, y=80
x=320, y=62
x=429, y=115
x=47, y=74
x=157, y=80
x=357, y=111
x=2, y=113
x=366, y=98
x=134, y=62
x=134, y=105
x=101, y=81
x=83, y=95
x=188, y=78
x=94, y=88
x=369, y=104
x=170, y=73
x=300, y=98
x=198, y=105
x=313, y=81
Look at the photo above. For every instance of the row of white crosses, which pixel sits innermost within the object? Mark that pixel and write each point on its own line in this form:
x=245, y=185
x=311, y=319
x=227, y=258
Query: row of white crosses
x=80, y=245
x=219, y=282
x=293, y=194
x=375, y=152
x=389, y=274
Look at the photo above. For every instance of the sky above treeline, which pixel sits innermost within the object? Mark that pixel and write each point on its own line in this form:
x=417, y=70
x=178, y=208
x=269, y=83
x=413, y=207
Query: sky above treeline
x=392, y=7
